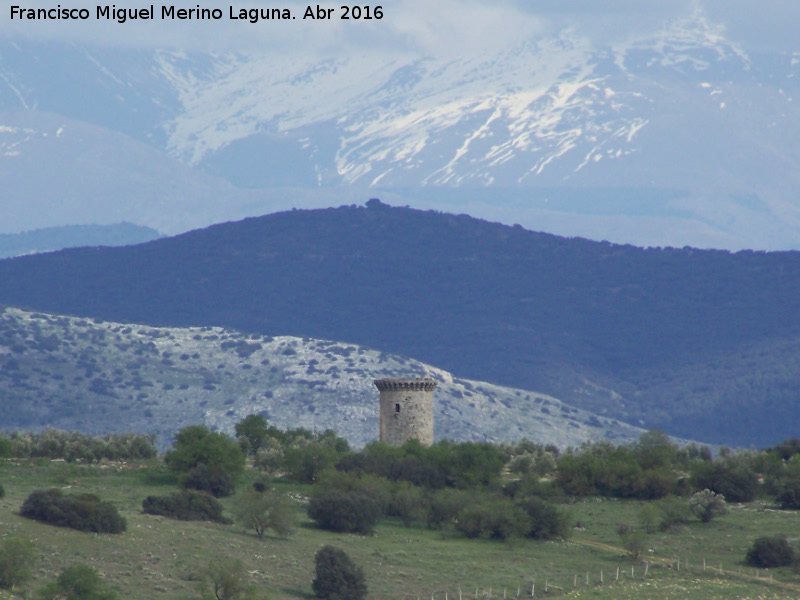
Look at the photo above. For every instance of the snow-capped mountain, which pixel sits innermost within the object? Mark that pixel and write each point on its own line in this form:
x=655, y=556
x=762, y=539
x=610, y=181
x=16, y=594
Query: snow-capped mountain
x=674, y=136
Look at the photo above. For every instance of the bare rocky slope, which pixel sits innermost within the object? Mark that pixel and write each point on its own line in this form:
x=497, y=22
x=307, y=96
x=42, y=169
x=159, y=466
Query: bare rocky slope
x=100, y=377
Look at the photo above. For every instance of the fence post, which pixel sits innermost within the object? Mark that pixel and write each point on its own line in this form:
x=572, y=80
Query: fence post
x=617, y=573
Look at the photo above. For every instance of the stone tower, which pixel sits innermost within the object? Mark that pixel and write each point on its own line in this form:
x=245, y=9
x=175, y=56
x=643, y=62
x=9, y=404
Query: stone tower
x=406, y=410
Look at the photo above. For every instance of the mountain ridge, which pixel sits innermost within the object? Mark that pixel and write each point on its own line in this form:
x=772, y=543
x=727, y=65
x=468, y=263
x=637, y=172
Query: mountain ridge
x=592, y=323
x=69, y=236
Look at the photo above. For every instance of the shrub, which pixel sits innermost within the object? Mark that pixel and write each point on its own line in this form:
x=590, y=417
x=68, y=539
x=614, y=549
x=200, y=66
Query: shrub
x=445, y=505
x=707, y=505
x=378, y=489
x=84, y=512
x=261, y=485
x=496, y=519
x=305, y=462
x=17, y=557
x=227, y=579
x=348, y=512
x=266, y=510
x=770, y=551
x=336, y=577
x=547, y=522
x=655, y=451
x=185, y=505
x=207, y=460
x=79, y=582
x=649, y=517
x=256, y=430
x=674, y=513
x=6, y=447
x=789, y=496
x=635, y=543
x=446, y=463
x=216, y=482
x=409, y=503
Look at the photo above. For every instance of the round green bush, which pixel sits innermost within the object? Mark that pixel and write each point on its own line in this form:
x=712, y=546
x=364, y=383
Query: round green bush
x=337, y=577
x=770, y=551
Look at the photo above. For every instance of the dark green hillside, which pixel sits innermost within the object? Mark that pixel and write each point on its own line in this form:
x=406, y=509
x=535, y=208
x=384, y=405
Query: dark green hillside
x=616, y=328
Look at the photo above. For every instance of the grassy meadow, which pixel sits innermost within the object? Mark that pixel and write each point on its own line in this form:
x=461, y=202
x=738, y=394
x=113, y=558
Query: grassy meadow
x=160, y=558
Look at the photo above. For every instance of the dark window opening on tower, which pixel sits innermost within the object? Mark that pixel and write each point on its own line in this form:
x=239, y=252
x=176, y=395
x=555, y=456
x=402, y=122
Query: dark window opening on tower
x=396, y=408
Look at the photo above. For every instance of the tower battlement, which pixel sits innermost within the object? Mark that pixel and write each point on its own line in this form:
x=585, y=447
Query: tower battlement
x=426, y=385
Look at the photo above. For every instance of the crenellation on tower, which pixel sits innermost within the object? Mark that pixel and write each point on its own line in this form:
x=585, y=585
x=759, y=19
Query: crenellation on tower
x=406, y=410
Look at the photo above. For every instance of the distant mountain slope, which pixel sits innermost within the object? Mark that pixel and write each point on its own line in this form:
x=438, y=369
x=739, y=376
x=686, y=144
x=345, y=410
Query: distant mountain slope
x=675, y=132
x=592, y=323
x=104, y=377
x=71, y=236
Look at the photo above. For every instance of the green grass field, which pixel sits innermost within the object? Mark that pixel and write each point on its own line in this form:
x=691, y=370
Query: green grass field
x=161, y=558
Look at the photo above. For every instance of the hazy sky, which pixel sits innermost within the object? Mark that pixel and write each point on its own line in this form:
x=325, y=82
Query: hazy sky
x=423, y=26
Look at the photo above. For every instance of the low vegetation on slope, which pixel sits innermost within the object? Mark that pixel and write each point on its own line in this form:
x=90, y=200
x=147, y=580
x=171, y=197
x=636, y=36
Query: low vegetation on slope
x=98, y=377
x=523, y=520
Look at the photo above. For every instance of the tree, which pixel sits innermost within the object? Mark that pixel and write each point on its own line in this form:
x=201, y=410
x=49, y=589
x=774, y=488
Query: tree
x=6, y=447
x=266, y=510
x=707, y=505
x=731, y=477
x=79, y=582
x=674, y=513
x=649, y=517
x=17, y=558
x=206, y=460
x=226, y=579
x=256, y=429
x=336, y=577
x=655, y=450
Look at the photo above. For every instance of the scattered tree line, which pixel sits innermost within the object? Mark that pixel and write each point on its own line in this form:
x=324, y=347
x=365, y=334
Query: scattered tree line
x=73, y=446
x=479, y=490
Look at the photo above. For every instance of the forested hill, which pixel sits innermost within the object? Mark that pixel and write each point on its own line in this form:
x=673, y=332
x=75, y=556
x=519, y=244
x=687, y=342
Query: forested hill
x=697, y=342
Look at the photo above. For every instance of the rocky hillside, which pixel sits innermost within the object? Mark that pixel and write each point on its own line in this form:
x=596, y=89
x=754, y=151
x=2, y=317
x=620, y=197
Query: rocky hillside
x=94, y=376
